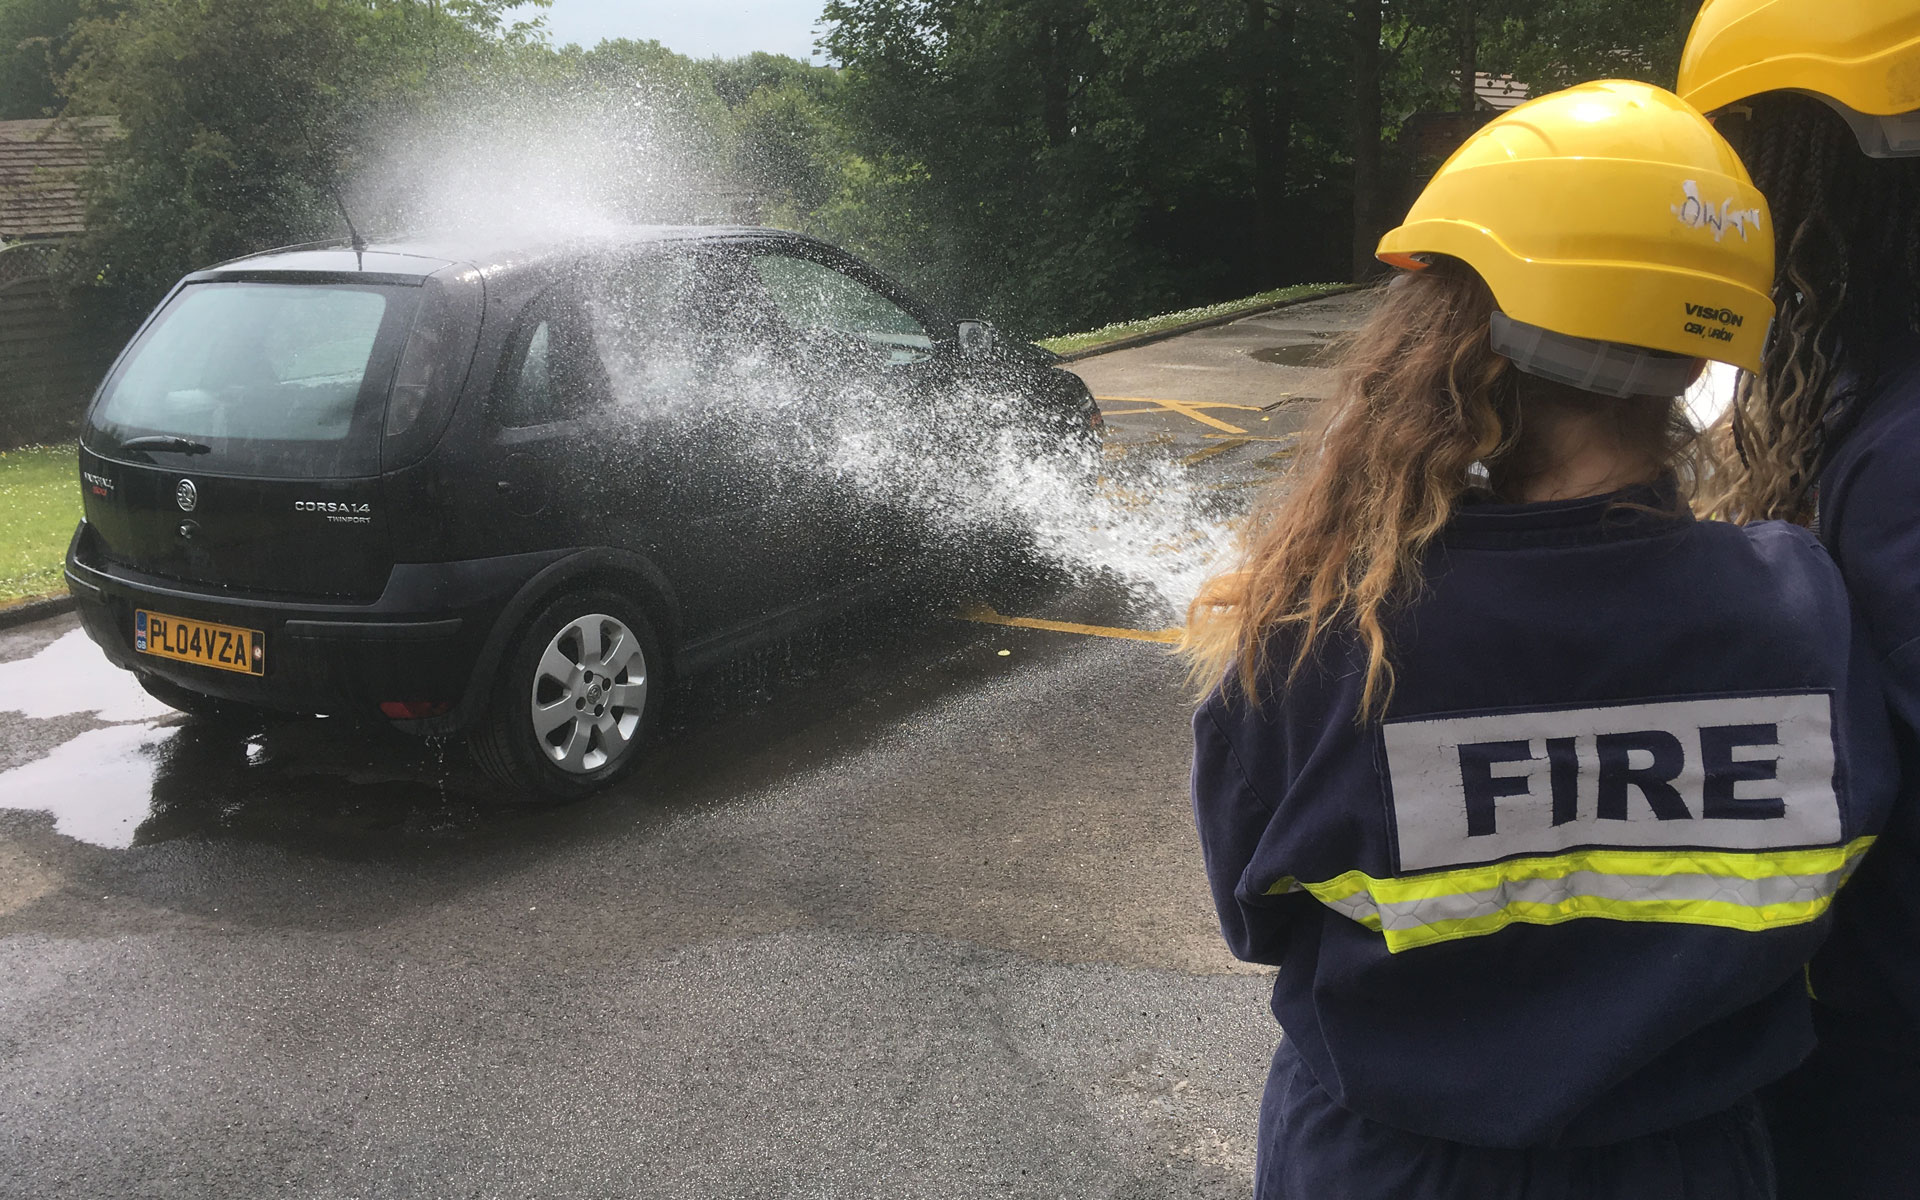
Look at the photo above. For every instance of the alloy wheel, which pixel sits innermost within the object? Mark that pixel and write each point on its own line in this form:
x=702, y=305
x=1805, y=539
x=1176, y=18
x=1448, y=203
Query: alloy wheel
x=589, y=691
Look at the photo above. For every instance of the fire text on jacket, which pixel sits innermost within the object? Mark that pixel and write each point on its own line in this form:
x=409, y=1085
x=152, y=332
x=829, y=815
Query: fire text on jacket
x=1739, y=772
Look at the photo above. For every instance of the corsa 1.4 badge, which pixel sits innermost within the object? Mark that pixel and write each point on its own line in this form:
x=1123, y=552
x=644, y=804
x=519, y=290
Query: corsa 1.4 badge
x=340, y=512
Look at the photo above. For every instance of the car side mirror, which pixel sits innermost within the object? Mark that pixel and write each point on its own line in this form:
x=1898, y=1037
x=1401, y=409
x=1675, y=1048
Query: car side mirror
x=977, y=338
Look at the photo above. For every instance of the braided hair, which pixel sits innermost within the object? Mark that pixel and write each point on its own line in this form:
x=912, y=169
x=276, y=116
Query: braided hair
x=1847, y=228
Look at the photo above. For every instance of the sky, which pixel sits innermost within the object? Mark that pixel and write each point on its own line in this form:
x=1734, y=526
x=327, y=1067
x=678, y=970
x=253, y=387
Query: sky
x=699, y=28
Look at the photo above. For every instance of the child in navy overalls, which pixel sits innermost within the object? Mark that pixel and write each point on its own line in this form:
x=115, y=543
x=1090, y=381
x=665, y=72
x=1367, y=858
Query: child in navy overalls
x=1536, y=789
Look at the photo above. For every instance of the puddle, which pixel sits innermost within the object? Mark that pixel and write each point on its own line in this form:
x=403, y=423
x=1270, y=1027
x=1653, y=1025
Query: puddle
x=152, y=774
x=99, y=786
x=311, y=783
x=1313, y=354
x=329, y=787
x=71, y=676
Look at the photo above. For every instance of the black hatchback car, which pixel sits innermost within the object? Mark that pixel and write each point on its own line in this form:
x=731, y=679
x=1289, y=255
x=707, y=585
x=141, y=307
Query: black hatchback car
x=510, y=490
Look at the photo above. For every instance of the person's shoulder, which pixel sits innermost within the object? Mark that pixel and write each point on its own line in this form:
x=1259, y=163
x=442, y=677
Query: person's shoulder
x=1886, y=432
x=1761, y=538
x=1774, y=538
x=1778, y=558
x=1290, y=684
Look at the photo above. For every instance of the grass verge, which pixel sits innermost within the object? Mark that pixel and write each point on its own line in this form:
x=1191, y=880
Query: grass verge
x=1066, y=343
x=39, y=506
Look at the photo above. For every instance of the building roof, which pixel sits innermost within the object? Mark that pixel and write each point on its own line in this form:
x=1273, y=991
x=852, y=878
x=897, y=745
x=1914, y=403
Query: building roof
x=42, y=168
x=1498, y=92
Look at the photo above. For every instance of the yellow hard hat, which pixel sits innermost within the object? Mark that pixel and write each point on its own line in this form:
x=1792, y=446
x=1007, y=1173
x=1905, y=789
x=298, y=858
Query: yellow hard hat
x=1860, y=56
x=1609, y=212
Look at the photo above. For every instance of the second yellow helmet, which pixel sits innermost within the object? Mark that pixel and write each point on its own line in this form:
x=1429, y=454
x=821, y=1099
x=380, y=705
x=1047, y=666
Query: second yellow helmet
x=1861, y=56
x=1609, y=212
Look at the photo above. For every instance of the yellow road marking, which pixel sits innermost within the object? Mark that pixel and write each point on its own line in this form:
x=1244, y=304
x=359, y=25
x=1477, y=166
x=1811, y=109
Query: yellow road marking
x=1236, y=439
x=1186, y=408
x=1156, y=400
x=1232, y=443
x=981, y=614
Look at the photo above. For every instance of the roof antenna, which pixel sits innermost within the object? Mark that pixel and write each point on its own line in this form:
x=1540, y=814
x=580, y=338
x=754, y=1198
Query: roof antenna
x=358, y=243
x=354, y=239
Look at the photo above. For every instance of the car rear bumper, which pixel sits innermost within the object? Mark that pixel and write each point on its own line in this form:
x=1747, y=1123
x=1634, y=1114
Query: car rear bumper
x=416, y=645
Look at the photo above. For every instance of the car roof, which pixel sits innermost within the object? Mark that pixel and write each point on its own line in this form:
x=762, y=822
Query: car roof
x=414, y=258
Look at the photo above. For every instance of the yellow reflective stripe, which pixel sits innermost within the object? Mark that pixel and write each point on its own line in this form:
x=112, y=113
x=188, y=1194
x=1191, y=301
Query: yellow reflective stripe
x=1422, y=909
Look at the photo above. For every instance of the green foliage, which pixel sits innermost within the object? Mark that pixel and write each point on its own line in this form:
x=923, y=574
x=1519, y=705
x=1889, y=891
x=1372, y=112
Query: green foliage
x=1067, y=343
x=1072, y=160
x=39, y=506
x=1039, y=157
x=241, y=119
x=1564, y=43
x=786, y=145
x=33, y=53
x=1049, y=164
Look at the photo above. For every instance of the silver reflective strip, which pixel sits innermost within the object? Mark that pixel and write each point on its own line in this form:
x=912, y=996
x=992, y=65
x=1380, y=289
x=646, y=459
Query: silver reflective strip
x=1609, y=368
x=1595, y=885
x=1357, y=907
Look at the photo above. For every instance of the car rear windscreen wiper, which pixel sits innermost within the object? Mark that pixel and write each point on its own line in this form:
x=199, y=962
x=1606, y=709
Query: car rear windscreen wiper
x=161, y=441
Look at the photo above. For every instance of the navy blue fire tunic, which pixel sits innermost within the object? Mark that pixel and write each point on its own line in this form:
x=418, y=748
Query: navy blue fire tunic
x=1870, y=521
x=1562, y=893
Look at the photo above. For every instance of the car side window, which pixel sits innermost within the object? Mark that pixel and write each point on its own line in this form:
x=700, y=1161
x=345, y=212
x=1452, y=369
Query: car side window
x=552, y=372
x=815, y=300
x=658, y=350
x=530, y=402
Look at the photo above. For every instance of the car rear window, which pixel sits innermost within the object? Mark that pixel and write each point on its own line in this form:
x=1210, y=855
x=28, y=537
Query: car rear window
x=283, y=379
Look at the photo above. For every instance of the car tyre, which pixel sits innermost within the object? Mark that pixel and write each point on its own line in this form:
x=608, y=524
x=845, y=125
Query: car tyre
x=576, y=699
x=206, y=708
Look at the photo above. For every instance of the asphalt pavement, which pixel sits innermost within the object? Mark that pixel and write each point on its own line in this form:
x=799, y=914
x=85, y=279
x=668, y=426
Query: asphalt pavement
x=911, y=908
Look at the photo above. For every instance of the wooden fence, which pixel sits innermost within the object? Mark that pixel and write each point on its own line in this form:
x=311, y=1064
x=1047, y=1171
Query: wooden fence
x=50, y=359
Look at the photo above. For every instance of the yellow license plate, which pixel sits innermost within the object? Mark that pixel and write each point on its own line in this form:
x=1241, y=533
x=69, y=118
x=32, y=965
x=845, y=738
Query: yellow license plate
x=225, y=647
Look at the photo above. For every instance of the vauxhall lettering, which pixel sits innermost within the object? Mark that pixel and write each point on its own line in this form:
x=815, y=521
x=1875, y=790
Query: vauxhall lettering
x=1736, y=772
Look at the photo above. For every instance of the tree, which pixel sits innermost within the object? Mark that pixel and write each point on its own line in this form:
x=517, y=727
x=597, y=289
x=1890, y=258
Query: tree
x=1047, y=163
x=33, y=54
x=1563, y=43
x=240, y=120
x=1429, y=51
x=1367, y=183
x=1070, y=161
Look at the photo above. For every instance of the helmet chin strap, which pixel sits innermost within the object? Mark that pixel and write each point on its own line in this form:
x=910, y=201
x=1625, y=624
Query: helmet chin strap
x=1608, y=368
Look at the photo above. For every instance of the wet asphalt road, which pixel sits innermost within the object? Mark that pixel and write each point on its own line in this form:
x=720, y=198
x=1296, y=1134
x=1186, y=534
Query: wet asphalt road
x=891, y=913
